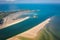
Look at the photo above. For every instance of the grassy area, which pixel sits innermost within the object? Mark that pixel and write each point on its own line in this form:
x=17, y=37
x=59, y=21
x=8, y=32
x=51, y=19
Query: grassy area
x=24, y=38
x=1, y=17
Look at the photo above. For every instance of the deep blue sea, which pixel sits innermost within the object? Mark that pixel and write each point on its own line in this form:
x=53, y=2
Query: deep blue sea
x=10, y=7
x=46, y=11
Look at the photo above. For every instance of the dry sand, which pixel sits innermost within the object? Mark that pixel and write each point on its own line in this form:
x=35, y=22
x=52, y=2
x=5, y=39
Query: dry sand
x=32, y=33
x=9, y=20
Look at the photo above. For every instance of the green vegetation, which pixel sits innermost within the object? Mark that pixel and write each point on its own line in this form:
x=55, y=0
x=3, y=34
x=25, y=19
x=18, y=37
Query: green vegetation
x=24, y=38
x=6, y=13
x=1, y=17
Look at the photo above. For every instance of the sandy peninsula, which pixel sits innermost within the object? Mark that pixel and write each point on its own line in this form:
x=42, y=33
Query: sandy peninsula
x=12, y=19
x=30, y=34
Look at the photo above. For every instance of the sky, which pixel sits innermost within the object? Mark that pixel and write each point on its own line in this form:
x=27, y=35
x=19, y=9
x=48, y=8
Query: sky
x=29, y=1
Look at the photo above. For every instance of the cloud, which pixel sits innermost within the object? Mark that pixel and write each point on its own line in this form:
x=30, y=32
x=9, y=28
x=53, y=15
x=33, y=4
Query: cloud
x=29, y=1
x=38, y=1
x=10, y=0
x=7, y=1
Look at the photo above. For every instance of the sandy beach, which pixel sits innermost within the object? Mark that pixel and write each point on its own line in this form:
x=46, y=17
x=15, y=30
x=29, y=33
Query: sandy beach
x=12, y=19
x=31, y=33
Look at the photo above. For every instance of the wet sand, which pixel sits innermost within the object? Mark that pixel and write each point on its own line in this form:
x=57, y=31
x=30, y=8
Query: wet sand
x=32, y=33
x=12, y=19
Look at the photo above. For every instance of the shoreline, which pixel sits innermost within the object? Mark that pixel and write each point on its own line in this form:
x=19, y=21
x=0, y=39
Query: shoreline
x=11, y=19
x=17, y=21
x=31, y=33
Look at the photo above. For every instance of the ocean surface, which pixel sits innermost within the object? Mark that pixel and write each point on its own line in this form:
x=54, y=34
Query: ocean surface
x=46, y=11
x=10, y=7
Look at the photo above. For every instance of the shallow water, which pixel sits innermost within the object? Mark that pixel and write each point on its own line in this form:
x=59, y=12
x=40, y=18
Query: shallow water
x=46, y=11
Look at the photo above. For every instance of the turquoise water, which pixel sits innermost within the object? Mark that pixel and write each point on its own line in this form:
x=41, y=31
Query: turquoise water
x=46, y=11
